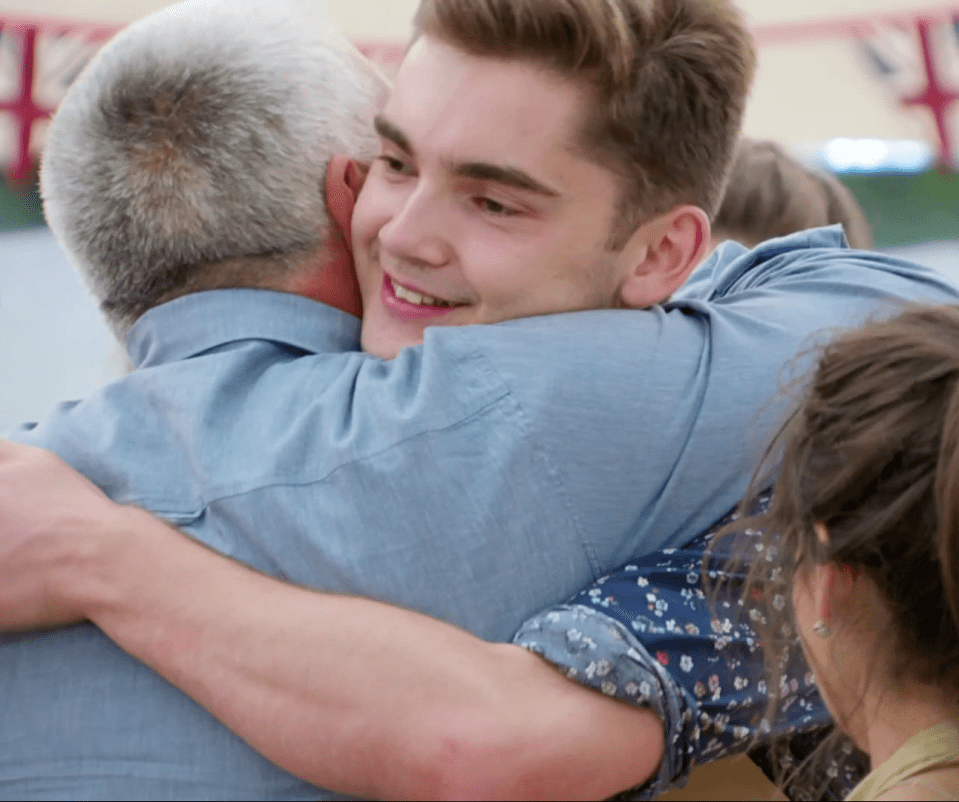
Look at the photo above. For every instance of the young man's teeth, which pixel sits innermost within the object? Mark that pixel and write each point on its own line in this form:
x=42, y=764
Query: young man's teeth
x=414, y=297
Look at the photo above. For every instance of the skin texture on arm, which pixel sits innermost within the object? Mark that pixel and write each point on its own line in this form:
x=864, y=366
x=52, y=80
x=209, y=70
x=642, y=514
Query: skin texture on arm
x=351, y=694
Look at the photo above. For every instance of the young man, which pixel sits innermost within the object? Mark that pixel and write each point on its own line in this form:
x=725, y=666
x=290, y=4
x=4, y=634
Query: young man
x=321, y=468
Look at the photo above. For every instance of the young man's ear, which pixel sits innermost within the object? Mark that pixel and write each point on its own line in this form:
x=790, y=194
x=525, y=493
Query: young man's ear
x=661, y=254
x=344, y=179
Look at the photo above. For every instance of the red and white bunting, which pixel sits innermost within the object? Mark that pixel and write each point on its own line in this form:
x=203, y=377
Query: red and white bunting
x=916, y=55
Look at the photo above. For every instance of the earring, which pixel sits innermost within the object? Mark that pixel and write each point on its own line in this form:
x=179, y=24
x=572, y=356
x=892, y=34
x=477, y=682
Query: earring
x=821, y=628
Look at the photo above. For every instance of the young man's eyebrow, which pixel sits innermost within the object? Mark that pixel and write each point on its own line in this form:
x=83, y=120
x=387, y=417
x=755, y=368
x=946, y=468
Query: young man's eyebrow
x=389, y=131
x=481, y=171
x=509, y=176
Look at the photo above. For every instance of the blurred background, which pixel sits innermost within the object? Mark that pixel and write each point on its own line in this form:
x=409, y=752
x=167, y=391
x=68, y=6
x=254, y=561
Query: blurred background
x=868, y=89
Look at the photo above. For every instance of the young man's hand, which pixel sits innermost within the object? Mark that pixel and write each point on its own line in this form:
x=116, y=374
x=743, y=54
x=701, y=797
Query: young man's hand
x=50, y=521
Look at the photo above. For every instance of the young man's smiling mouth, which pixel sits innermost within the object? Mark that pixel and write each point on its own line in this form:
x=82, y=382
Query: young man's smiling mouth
x=409, y=302
x=414, y=297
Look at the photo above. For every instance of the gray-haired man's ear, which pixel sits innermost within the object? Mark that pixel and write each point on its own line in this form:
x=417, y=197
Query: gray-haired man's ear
x=329, y=275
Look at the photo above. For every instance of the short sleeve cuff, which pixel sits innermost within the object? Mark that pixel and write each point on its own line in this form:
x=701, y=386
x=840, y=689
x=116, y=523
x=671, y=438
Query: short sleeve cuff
x=600, y=653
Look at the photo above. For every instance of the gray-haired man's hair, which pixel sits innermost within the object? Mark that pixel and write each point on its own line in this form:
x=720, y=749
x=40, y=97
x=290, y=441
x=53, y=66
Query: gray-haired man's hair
x=198, y=135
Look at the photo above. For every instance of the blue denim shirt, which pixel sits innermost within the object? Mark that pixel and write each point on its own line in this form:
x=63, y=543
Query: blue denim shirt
x=480, y=477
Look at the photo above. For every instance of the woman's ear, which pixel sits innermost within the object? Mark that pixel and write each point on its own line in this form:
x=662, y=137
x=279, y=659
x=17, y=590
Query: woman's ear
x=661, y=254
x=832, y=586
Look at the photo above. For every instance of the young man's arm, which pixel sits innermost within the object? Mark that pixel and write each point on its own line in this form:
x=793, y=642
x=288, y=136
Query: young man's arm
x=351, y=694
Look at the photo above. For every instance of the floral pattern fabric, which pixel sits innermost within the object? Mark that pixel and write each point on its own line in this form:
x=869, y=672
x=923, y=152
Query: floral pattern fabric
x=651, y=634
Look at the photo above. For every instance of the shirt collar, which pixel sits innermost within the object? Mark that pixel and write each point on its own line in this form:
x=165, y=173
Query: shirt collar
x=825, y=237
x=197, y=322
x=730, y=260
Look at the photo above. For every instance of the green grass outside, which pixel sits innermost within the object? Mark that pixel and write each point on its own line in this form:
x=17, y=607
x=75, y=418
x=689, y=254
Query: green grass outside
x=906, y=209
x=20, y=205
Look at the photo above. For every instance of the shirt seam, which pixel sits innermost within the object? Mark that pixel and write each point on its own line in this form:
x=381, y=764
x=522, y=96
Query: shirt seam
x=552, y=474
x=462, y=421
x=160, y=506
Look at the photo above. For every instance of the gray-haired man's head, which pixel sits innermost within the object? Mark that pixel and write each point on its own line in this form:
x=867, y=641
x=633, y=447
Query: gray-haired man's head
x=191, y=152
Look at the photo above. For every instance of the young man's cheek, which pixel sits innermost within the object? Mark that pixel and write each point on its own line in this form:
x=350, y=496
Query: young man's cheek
x=375, y=207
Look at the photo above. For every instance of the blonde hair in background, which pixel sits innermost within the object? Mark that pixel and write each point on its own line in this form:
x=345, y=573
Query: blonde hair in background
x=771, y=194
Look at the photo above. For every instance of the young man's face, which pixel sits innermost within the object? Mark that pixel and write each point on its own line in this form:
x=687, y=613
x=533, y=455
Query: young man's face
x=480, y=208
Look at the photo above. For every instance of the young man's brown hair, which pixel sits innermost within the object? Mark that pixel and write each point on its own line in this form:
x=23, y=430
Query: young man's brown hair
x=771, y=194
x=669, y=81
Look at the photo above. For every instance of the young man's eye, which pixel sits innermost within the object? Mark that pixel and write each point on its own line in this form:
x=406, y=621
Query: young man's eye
x=495, y=208
x=393, y=164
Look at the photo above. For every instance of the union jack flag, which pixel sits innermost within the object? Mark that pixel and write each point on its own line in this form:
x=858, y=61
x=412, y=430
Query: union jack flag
x=37, y=64
x=919, y=63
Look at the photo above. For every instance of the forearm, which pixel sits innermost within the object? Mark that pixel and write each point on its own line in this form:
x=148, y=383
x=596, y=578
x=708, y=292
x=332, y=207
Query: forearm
x=354, y=695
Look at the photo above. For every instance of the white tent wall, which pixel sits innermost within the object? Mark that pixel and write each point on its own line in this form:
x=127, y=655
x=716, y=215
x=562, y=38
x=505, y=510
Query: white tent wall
x=54, y=345
x=831, y=93
x=391, y=17
x=803, y=57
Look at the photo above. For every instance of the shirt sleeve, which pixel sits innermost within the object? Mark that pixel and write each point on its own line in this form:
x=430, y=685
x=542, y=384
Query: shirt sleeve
x=650, y=634
x=598, y=651
x=654, y=420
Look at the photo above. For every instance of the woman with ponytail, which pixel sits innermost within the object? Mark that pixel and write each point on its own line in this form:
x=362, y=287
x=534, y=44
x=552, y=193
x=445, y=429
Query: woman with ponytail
x=864, y=529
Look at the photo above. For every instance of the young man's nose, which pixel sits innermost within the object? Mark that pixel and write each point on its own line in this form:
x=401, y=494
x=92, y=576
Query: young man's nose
x=418, y=231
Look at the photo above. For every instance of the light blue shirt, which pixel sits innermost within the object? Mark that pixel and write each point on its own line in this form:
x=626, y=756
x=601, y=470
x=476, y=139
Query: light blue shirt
x=480, y=477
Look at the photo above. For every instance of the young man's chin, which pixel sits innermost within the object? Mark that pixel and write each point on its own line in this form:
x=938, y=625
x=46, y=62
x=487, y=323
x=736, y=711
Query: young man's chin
x=386, y=344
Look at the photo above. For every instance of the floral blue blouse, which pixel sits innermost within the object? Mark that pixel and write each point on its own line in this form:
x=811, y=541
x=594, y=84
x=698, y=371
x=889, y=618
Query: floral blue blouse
x=650, y=634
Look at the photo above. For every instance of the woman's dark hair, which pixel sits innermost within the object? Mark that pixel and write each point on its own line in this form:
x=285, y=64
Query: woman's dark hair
x=872, y=451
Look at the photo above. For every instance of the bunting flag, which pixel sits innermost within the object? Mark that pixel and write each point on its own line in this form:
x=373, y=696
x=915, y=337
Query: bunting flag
x=38, y=61
x=915, y=55
x=919, y=63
